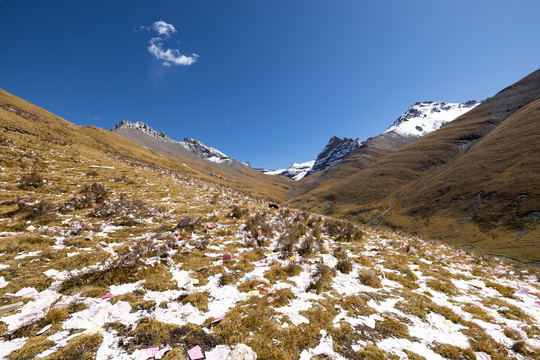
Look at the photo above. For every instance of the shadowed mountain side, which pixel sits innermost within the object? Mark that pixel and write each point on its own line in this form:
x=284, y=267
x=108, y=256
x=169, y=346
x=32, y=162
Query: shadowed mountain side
x=488, y=198
x=368, y=192
x=20, y=116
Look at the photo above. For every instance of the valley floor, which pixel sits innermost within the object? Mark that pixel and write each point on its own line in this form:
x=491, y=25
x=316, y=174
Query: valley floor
x=110, y=259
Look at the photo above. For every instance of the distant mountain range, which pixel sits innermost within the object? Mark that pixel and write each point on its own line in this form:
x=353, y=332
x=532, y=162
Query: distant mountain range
x=421, y=119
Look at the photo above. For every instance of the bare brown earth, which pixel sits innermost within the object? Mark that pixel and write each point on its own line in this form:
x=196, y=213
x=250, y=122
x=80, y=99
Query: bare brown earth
x=475, y=181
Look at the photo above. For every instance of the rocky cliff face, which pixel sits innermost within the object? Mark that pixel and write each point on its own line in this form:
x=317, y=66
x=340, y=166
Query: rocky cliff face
x=334, y=152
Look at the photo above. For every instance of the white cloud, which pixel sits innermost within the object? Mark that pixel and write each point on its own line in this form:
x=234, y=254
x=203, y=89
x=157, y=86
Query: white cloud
x=169, y=56
x=162, y=28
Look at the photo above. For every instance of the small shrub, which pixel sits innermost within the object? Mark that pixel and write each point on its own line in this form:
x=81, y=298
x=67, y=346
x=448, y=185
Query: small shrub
x=238, y=212
x=187, y=224
x=35, y=211
x=344, y=264
x=307, y=246
x=257, y=226
x=368, y=277
x=343, y=230
x=214, y=199
x=322, y=278
x=127, y=210
x=226, y=279
x=97, y=190
x=287, y=241
x=31, y=181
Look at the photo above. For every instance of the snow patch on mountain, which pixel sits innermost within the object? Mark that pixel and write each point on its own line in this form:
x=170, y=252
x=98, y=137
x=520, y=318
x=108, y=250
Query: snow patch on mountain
x=428, y=116
x=206, y=152
x=295, y=171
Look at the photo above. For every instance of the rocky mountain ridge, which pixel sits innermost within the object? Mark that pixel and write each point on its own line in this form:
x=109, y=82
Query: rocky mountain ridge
x=196, y=147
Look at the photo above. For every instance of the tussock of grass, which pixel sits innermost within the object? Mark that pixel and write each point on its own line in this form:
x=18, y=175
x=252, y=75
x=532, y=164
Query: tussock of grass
x=344, y=264
x=514, y=313
x=227, y=279
x=401, y=279
x=449, y=351
x=356, y=306
x=83, y=347
x=374, y=353
x=443, y=286
x=322, y=278
x=413, y=356
x=278, y=272
x=393, y=327
x=281, y=297
x=137, y=303
x=369, y=277
x=197, y=299
x=31, y=348
x=503, y=290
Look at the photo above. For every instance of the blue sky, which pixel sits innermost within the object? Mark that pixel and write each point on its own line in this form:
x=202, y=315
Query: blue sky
x=271, y=81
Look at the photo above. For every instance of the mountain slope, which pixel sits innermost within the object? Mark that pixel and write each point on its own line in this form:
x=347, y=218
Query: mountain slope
x=22, y=117
x=143, y=134
x=367, y=189
x=110, y=258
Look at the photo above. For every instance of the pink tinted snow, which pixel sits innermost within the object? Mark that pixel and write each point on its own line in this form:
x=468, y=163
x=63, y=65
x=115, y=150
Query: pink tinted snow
x=195, y=353
x=480, y=355
x=143, y=354
x=218, y=353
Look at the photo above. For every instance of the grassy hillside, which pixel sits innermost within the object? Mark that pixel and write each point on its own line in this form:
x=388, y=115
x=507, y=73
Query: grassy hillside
x=22, y=117
x=108, y=251
x=486, y=161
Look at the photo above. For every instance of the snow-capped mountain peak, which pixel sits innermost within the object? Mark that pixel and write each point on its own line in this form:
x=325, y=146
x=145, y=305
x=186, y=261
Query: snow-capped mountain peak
x=296, y=171
x=143, y=128
x=196, y=147
x=206, y=152
x=333, y=152
x=427, y=116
